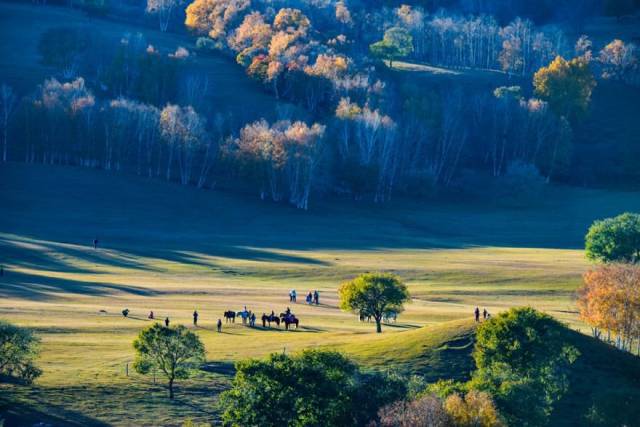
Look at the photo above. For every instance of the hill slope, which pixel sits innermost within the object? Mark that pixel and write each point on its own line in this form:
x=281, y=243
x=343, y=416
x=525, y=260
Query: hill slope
x=604, y=384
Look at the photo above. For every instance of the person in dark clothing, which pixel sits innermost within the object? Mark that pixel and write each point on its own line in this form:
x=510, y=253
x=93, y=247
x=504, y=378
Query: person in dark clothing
x=288, y=311
x=484, y=313
x=477, y=313
x=125, y=312
x=195, y=318
x=95, y=243
x=219, y=325
x=166, y=322
x=151, y=315
x=316, y=297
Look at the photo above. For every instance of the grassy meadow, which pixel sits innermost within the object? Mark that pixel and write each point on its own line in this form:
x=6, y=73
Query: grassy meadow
x=173, y=249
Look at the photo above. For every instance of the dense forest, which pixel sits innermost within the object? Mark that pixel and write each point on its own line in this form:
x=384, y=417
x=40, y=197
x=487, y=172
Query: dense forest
x=508, y=107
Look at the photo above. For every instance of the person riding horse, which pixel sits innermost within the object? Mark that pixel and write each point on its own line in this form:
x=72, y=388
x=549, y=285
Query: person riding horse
x=268, y=318
x=288, y=318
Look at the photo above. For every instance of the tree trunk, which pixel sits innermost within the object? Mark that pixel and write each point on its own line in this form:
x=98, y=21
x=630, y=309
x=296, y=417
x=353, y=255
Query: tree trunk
x=171, y=388
x=378, y=324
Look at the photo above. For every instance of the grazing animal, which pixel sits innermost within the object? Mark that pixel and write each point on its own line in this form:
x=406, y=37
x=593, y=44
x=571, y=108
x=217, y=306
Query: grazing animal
x=268, y=318
x=390, y=316
x=289, y=320
x=230, y=316
x=365, y=316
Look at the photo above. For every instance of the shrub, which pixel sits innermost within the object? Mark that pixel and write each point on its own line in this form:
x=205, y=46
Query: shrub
x=522, y=358
x=18, y=349
x=426, y=411
x=311, y=388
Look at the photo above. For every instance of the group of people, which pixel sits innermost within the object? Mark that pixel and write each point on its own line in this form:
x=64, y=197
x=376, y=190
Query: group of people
x=167, y=321
x=485, y=314
x=311, y=298
x=248, y=316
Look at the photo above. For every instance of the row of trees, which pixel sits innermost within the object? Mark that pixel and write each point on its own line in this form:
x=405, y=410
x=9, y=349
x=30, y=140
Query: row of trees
x=609, y=300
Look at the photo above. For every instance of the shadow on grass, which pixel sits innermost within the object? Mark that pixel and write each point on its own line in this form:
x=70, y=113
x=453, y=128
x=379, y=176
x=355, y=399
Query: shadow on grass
x=40, y=287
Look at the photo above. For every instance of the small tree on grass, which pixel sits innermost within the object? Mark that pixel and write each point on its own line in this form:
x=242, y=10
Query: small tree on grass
x=614, y=239
x=172, y=351
x=397, y=43
x=375, y=294
x=18, y=349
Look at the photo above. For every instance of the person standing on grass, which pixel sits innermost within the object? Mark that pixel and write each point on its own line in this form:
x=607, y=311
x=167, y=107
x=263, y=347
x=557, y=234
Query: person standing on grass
x=95, y=243
x=477, y=313
x=195, y=318
x=316, y=297
x=294, y=295
x=219, y=325
x=151, y=315
x=484, y=313
x=166, y=321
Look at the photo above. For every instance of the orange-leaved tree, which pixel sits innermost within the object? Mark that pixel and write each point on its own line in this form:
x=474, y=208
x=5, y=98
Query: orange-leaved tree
x=610, y=300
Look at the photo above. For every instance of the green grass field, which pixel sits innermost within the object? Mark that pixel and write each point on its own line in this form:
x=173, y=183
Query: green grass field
x=173, y=249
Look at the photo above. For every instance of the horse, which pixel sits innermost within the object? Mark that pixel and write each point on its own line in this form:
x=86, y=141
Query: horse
x=364, y=316
x=269, y=318
x=390, y=316
x=230, y=316
x=289, y=320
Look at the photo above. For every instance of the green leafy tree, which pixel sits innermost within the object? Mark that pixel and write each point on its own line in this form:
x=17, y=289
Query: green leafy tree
x=374, y=294
x=397, y=43
x=522, y=358
x=312, y=388
x=566, y=86
x=174, y=352
x=18, y=349
x=614, y=239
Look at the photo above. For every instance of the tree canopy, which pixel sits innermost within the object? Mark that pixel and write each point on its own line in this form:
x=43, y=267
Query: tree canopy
x=18, y=349
x=566, y=85
x=311, y=388
x=397, y=43
x=173, y=352
x=614, y=239
x=522, y=358
x=373, y=294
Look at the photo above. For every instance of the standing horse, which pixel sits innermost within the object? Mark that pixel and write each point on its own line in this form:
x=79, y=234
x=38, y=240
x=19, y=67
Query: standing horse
x=230, y=316
x=270, y=318
x=288, y=320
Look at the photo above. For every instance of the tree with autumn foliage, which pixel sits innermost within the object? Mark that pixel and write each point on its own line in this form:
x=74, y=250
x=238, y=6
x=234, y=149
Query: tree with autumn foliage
x=609, y=300
x=566, y=86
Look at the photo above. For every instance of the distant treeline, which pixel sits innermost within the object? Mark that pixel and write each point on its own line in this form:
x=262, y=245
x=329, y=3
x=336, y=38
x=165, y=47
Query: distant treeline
x=361, y=129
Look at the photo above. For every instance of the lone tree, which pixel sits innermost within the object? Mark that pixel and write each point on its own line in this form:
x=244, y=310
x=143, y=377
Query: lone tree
x=614, y=239
x=172, y=351
x=18, y=349
x=566, y=85
x=374, y=294
x=397, y=43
